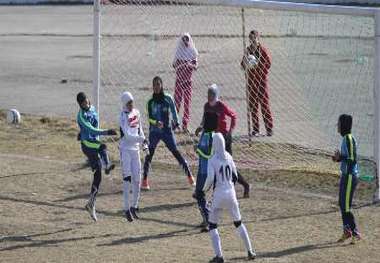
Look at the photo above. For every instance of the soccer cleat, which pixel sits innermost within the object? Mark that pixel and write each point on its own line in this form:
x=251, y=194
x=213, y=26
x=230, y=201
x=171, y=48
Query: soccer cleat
x=109, y=168
x=246, y=191
x=204, y=229
x=269, y=133
x=346, y=235
x=128, y=216
x=251, y=255
x=203, y=224
x=91, y=210
x=133, y=211
x=145, y=185
x=217, y=260
x=355, y=238
x=191, y=181
x=256, y=134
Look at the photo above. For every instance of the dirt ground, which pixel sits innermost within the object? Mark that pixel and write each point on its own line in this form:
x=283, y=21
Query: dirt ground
x=291, y=216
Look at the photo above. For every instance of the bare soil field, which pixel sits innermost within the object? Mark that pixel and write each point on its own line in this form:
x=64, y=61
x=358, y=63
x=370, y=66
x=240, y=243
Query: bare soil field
x=292, y=216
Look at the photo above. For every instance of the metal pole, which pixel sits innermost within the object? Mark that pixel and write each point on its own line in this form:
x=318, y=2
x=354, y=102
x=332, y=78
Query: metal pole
x=96, y=56
x=246, y=78
x=377, y=103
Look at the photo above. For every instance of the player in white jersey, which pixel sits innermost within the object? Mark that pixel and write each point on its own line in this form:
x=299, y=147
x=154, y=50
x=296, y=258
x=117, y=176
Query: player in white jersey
x=132, y=136
x=222, y=175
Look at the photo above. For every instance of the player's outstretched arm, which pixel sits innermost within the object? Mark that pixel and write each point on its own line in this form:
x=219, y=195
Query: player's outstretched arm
x=87, y=126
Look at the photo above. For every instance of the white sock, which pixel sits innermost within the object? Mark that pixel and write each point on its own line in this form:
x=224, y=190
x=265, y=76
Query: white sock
x=135, y=194
x=216, y=244
x=126, y=187
x=243, y=233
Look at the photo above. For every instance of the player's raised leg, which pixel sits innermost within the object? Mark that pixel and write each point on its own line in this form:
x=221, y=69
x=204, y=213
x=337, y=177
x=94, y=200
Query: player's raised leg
x=109, y=166
x=96, y=166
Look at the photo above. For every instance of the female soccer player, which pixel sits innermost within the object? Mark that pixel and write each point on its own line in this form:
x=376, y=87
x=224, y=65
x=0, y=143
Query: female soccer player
x=257, y=83
x=221, y=110
x=222, y=175
x=88, y=123
x=159, y=108
x=347, y=156
x=204, y=151
x=132, y=136
x=185, y=62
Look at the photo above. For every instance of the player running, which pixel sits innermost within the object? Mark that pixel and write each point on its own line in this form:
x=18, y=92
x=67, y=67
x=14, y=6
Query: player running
x=95, y=151
x=222, y=175
x=159, y=108
x=132, y=136
x=347, y=156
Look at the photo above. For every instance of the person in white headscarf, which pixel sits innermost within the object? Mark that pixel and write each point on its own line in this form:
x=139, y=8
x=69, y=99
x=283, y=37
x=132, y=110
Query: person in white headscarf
x=185, y=62
x=214, y=106
x=221, y=176
x=132, y=137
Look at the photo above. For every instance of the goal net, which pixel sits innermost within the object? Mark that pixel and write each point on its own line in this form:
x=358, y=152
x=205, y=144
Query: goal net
x=322, y=65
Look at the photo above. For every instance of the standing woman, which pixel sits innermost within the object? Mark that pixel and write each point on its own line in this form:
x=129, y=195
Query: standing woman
x=185, y=62
x=257, y=83
x=160, y=106
x=215, y=108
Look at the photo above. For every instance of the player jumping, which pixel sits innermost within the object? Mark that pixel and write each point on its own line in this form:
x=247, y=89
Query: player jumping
x=222, y=175
x=132, y=136
x=95, y=151
x=159, y=108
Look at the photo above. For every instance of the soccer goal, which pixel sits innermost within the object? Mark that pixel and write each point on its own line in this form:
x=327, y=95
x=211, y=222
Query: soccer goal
x=324, y=62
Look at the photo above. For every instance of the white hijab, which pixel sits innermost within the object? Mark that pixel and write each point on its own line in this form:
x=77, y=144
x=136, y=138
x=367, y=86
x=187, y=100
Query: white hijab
x=219, y=146
x=125, y=98
x=184, y=52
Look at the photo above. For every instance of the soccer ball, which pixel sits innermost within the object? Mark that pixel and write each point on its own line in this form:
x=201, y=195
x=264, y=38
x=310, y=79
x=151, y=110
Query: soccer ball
x=252, y=61
x=13, y=116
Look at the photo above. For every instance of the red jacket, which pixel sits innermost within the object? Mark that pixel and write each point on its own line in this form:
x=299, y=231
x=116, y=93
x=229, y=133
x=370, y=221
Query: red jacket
x=222, y=111
x=260, y=72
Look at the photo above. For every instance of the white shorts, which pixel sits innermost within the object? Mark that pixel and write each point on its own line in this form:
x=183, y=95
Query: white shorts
x=224, y=200
x=131, y=164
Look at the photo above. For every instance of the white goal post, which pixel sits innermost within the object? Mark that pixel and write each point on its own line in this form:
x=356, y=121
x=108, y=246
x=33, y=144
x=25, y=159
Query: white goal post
x=268, y=5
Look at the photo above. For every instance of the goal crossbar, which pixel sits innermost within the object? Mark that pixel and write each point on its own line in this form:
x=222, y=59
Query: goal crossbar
x=290, y=6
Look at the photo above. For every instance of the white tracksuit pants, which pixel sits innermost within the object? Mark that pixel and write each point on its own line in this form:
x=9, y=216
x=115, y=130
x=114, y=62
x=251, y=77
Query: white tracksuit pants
x=131, y=172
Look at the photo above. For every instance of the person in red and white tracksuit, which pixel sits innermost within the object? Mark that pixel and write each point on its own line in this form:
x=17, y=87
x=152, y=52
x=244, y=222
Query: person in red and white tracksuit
x=221, y=111
x=132, y=137
x=185, y=62
x=221, y=176
x=257, y=83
